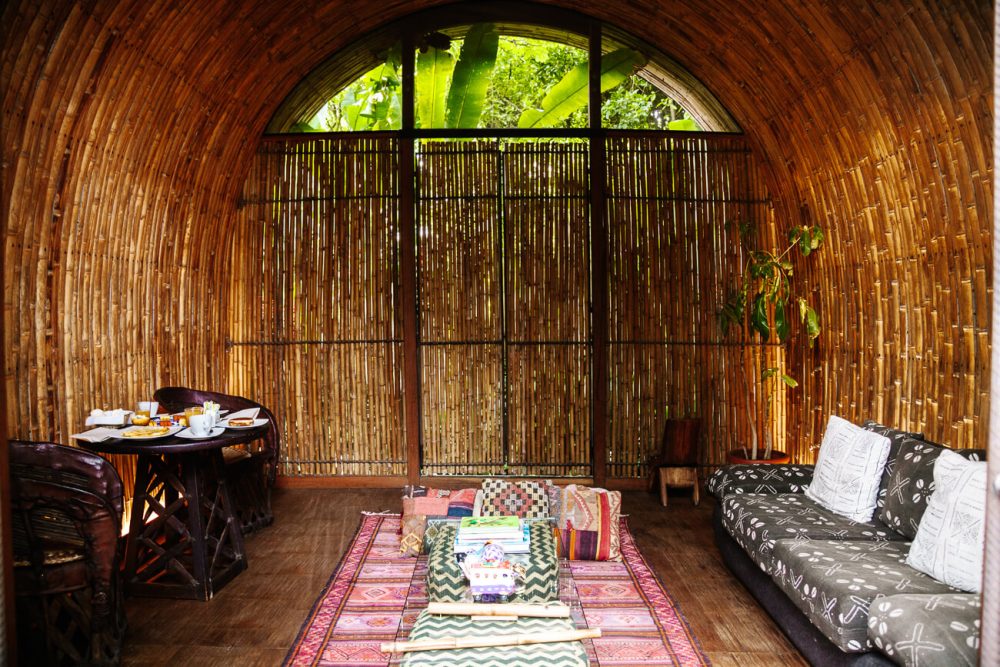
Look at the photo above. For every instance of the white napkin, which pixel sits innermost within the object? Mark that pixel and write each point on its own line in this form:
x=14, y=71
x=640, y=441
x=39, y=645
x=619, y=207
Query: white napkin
x=249, y=412
x=112, y=417
x=97, y=434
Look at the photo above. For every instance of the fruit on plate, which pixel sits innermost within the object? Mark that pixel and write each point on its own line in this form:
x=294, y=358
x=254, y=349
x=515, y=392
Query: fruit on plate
x=146, y=431
x=241, y=421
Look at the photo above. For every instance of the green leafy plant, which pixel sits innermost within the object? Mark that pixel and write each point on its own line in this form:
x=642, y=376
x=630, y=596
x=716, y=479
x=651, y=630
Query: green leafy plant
x=572, y=91
x=493, y=81
x=761, y=306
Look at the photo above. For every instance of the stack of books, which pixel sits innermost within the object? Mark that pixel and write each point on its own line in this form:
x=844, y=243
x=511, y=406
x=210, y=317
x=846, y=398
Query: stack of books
x=507, y=531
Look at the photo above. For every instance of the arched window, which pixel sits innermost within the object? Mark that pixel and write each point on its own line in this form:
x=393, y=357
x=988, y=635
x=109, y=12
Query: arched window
x=484, y=79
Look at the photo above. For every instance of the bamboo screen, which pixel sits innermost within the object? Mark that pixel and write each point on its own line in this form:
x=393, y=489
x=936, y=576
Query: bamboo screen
x=504, y=308
x=316, y=328
x=505, y=343
x=672, y=208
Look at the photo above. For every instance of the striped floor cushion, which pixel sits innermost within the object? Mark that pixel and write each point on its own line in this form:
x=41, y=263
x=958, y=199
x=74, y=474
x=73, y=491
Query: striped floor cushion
x=557, y=654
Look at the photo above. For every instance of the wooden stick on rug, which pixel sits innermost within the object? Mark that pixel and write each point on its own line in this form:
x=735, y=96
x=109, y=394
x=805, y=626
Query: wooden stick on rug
x=449, y=643
x=557, y=610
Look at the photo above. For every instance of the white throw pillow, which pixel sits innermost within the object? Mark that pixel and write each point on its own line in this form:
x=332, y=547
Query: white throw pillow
x=849, y=470
x=950, y=538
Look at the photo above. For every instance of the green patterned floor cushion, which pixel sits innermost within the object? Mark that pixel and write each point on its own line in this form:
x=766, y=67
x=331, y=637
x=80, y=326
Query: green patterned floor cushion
x=447, y=583
x=927, y=630
x=557, y=654
x=759, y=478
x=834, y=582
x=757, y=521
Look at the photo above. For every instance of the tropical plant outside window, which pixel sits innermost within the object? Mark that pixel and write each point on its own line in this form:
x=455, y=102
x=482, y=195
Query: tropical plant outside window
x=494, y=81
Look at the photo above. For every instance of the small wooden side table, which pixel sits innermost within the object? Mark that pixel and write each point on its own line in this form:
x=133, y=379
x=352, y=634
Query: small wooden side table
x=678, y=477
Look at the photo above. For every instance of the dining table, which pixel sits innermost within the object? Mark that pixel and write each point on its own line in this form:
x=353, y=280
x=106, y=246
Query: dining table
x=184, y=538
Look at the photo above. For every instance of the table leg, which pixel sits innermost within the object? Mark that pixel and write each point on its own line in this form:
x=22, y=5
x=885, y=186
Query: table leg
x=184, y=538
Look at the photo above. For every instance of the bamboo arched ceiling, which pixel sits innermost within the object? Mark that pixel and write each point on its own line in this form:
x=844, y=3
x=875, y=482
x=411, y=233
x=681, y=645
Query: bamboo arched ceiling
x=127, y=129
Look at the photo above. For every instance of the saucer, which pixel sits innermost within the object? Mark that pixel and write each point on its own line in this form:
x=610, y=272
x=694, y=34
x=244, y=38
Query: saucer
x=214, y=433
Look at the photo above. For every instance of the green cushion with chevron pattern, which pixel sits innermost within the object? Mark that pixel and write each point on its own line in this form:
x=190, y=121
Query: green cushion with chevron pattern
x=558, y=654
x=447, y=583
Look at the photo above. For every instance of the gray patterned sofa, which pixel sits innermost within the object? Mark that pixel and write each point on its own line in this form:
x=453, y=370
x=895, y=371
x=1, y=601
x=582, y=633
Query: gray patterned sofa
x=841, y=589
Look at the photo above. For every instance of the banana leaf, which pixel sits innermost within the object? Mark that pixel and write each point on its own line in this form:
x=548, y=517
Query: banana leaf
x=572, y=91
x=472, y=76
x=434, y=66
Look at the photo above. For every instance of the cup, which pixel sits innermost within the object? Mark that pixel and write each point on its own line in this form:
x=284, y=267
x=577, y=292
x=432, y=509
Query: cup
x=200, y=425
x=149, y=407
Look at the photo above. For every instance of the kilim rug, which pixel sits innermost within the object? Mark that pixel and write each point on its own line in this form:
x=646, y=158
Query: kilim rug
x=375, y=596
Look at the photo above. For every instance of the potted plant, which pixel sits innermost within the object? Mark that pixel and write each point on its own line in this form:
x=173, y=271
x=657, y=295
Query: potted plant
x=761, y=307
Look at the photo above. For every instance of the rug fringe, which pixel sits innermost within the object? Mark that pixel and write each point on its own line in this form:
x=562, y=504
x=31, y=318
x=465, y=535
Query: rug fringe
x=382, y=513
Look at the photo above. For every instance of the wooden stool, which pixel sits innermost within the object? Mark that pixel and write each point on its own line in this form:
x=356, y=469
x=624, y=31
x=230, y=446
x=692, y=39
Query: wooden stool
x=678, y=477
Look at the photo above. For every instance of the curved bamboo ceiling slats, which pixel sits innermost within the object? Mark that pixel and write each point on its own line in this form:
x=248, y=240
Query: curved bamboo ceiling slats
x=128, y=127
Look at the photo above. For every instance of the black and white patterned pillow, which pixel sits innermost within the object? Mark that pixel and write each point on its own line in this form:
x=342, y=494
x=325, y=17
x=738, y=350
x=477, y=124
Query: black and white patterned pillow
x=951, y=536
x=896, y=439
x=849, y=469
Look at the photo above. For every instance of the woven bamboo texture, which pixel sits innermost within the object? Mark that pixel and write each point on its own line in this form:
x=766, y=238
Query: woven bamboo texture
x=315, y=326
x=128, y=134
x=505, y=348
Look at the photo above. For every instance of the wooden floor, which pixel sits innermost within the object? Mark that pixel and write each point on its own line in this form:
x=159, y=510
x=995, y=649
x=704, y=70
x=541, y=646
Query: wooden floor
x=256, y=617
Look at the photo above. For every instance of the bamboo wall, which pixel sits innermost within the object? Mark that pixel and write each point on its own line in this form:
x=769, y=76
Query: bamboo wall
x=674, y=206
x=315, y=326
x=128, y=130
x=504, y=291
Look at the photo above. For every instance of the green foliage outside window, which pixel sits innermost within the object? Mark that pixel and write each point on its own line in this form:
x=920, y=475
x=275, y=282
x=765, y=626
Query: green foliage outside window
x=490, y=81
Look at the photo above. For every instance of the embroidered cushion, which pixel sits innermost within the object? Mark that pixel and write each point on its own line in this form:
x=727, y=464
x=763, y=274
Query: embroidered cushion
x=950, y=539
x=527, y=500
x=849, y=470
x=587, y=526
x=421, y=503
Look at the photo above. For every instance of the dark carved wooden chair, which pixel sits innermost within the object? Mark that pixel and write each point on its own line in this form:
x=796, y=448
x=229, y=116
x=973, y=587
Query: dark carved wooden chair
x=250, y=472
x=676, y=465
x=66, y=511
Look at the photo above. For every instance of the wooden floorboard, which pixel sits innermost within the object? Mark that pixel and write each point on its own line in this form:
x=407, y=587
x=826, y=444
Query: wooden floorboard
x=256, y=617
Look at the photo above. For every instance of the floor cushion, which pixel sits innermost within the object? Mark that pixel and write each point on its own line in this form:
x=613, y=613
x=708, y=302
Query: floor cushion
x=447, y=583
x=757, y=521
x=587, y=524
x=429, y=626
x=527, y=500
x=939, y=630
x=834, y=583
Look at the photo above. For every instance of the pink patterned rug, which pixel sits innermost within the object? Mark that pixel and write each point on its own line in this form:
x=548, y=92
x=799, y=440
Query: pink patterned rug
x=375, y=595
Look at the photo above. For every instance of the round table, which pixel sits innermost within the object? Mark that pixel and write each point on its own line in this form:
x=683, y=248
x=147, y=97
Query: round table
x=172, y=551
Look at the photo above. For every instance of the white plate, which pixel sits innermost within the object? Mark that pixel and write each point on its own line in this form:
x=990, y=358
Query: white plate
x=256, y=422
x=214, y=433
x=138, y=438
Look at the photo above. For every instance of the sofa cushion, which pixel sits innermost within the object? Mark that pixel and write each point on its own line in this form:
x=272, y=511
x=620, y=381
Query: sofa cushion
x=834, y=583
x=909, y=486
x=756, y=521
x=939, y=630
x=951, y=537
x=849, y=469
x=896, y=439
x=759, y=478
